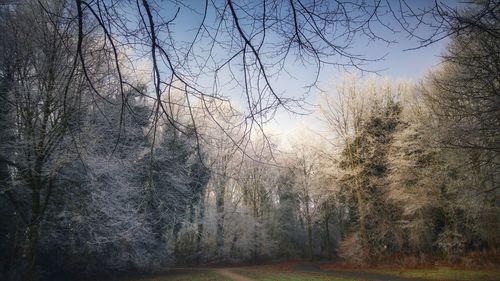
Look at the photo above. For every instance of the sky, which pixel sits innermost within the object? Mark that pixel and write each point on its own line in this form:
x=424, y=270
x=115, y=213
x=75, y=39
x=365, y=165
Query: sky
x=397, y=64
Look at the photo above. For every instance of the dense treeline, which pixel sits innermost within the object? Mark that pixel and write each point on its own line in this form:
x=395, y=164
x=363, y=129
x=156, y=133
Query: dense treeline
x=93, y=182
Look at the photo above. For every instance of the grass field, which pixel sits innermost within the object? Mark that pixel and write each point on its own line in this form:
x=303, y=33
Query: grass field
x=445, y=274
x=273, y=273
x=252, y=274
x=197, y=275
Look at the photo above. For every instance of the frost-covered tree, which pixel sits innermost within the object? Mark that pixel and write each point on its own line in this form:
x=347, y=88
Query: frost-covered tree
x=95, y=223
x=178, y=179
x=461, y=97
x=225, y=143
x=304, y=165
x=364, y=121
x=257, y=184
x=463, y=93
x=289, y=233
x=43, y=93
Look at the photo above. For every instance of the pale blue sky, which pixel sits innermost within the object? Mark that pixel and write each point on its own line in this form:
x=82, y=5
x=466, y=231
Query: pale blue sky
x=397, y=63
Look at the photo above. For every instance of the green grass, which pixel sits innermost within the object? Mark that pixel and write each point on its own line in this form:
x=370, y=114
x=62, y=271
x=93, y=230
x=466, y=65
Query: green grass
x=199, y=275
x=266, y=274
x=446, y=274
x=271, y=275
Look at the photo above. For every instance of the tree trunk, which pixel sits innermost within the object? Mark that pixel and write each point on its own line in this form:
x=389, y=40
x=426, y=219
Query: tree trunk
x=33, y=235
x=220, y=218
x=362, y=225
x=233, y=245
x=17, y=234
x=309, y=238
x=255, y=233
x=309, y=228
x=177, y=228
x=255, y=226
x=200, y=228
x=327, y=238
x=255, y=242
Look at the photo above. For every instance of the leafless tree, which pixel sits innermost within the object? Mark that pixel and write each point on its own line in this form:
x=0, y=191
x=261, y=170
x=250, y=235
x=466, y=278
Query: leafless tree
x=246, y=47
x=464, y=93
x=44, y=96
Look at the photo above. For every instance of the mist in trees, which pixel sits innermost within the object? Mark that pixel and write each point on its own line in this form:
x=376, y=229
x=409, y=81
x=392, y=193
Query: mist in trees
x=117, y=157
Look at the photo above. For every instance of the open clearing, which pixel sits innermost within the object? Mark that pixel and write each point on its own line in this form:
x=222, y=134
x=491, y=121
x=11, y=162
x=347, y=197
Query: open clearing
x=315, y=272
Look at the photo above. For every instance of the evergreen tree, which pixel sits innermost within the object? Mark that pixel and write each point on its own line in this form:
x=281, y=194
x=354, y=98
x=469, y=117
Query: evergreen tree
x=366, y=161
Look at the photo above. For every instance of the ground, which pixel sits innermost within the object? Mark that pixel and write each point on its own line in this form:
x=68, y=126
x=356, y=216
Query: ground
x=319, y=272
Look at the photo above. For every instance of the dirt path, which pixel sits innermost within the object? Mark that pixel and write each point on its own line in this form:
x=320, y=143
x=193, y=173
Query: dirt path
x=229, y=274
